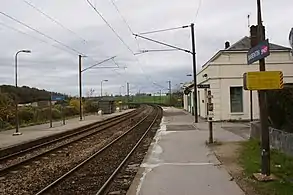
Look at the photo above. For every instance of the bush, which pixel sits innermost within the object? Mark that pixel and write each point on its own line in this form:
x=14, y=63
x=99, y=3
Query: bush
x=90, y=107
x=26, y=115
x=70, y=111
x=56, y=114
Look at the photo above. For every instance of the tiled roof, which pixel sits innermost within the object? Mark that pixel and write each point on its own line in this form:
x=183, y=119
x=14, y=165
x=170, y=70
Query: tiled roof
x=244, y=44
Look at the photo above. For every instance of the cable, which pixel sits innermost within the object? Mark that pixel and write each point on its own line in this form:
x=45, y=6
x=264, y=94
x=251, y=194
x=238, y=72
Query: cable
x=52, y=19
x=162, y=30
x=110, y=26
x=39, y=32
x=33, y=37
x=124, y=20
x=199, y=5
x=117, y=35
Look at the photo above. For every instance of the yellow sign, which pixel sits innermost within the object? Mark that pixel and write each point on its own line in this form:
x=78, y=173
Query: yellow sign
x=263, y=80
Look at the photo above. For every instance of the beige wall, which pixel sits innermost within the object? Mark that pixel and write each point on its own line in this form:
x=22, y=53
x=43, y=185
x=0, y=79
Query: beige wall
x=227, y=70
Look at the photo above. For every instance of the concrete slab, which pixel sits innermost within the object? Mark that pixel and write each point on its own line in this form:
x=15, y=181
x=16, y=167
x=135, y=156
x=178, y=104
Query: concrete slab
x=38, y=131
x=180, y=163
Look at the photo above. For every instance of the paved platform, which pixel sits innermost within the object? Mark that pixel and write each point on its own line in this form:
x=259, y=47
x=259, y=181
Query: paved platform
x=38, y=131
x=179, y=162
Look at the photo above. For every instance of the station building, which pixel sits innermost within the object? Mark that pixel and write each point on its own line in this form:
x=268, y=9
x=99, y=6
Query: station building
x=224, y=73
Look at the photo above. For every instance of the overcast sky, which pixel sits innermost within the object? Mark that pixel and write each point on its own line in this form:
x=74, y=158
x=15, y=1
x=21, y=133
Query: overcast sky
x=54, y=67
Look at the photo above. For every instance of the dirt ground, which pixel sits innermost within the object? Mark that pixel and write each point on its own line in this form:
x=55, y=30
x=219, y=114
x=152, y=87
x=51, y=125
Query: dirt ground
x=228, y=154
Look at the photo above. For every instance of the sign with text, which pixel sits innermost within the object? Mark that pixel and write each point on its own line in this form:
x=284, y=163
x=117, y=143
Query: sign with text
x=57, y=98
x=204, y=86
x=263, y=80
x=258, y=52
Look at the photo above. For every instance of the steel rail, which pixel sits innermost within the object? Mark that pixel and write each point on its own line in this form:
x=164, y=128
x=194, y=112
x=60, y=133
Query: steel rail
x=116, y=121
x=106, y=184
x=48, y=187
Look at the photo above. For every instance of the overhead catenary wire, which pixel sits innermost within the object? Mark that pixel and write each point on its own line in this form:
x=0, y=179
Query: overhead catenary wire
x=125, y=22
x=108, y=24
x=41, y=33
x=118, y=36
x=163, y=30
x=198, y=9
x=53, y=20
x=34, y=37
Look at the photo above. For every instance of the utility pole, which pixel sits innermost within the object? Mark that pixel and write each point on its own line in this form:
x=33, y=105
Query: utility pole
x=51, y=118
x=127, y=86
x=80, y=89
x=160, y=96
x=265, y=139
x=194, y=73
x=170, y=94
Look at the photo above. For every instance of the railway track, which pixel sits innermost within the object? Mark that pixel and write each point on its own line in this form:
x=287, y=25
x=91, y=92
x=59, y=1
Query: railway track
x=95, y=174
x=29, y=176
x=14, y=160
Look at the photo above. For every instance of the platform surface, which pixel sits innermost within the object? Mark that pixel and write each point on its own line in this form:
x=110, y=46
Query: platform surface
x=39, y=131
x=179, y=162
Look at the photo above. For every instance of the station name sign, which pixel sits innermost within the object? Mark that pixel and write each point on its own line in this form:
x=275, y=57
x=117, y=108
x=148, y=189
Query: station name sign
x=57, y=98
x=258, y=52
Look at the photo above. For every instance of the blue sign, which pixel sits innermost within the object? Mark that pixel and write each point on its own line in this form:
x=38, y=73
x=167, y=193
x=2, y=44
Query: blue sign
x=57, y=98
x=258, y=52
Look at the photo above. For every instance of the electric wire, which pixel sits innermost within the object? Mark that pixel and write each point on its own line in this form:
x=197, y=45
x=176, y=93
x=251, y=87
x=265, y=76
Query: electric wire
x=41, y=33
x=34, y=37
x=53, y=20
x=119, y=37
x=108, y=24
x=163, y=30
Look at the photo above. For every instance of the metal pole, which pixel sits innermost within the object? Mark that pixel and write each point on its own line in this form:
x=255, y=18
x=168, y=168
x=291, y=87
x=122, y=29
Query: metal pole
x=194, y=73
x=211, y=136
x=170, y=95
x=16, y=98
x=51, y=120
x=80, y=88
x=102, y=88
x=161, y=96
x=127, y=94
x=265, y=139
x=251, y=106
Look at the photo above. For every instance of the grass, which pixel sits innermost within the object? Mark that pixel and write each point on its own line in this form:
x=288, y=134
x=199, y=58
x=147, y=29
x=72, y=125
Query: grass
x=250, y=160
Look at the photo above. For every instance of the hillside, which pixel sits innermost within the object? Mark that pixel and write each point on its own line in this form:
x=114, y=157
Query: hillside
x=26, y=94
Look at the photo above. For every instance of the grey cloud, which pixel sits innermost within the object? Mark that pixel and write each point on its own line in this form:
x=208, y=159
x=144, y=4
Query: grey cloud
x=54, y=69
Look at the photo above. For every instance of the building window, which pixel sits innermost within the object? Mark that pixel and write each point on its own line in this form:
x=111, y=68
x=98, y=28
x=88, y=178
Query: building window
x=236, y=99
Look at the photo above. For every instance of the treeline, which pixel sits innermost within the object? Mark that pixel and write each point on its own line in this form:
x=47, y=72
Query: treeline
x=29, y=115
x=26, y=94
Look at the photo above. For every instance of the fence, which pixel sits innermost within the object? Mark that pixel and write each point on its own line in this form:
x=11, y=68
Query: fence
x=280, y=140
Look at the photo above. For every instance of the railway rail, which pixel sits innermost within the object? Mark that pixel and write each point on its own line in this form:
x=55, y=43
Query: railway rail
x=94, y=174
x=13, y=160
x=29, y=176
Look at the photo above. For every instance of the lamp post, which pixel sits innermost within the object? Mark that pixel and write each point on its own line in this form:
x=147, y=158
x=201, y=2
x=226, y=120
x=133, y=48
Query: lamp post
x=16, y=100
x=102, y=86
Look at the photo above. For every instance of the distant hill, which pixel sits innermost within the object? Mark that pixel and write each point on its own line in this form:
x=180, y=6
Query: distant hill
x=26, y=94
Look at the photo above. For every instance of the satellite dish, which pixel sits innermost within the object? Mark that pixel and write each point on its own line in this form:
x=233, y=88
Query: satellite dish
x=291, y=38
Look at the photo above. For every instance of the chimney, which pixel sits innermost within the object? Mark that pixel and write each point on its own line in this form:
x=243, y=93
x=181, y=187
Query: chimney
x=227, y=44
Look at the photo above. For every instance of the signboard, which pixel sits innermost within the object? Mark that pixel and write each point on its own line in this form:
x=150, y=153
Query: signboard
x=258, y=52
x=263, y=80
x=57, y=98
x=204, y=86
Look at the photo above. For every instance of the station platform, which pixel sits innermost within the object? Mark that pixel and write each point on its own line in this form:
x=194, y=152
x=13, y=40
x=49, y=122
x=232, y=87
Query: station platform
x=180, y=163
x=38, y=131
